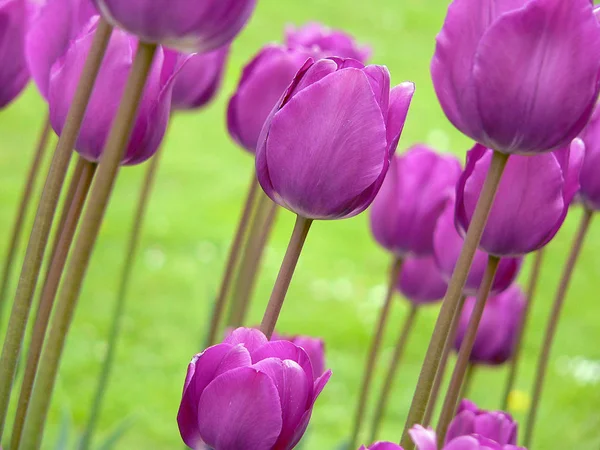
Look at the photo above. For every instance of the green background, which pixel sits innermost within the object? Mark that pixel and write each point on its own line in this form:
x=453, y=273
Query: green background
x=339, y=282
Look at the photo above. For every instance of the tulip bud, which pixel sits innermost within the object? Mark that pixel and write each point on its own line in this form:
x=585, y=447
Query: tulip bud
x=14, y=74
x=199, y=80
x=263, y=82
x=519, y=77
x=497, y=332
x=413, y=195
x=198, y=26
x=532, y=200
x=497, y=426
x=382, y=446
x=153, y=111
x=326, y=147
x=448, y=243
x=589, y=179
x=421, y=281
x=248, y=391
x=326, y=41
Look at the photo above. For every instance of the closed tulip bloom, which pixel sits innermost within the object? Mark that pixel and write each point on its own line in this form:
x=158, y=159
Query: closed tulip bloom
x=199, y=80
x=518, y=76
x=326, y=148
x=195, y=26
x=14, y=74
x=498, y=426
x=326, y=41
x=382, y=446
x=421, y=281
x=248, y=393
x=590, y=171
x=448, y=243
x=414, y=194
x=153, y=112
x=532, y=200
x=263, y=82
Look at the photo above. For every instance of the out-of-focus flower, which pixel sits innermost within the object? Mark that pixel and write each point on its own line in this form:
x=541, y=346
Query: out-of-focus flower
x=201, y=25
x=153, y=112
x=199, y=80
x=590, y=178
x=382, y=446
x=421, y=281
x=325, y=149
x=498, y=426
x=248, y=392
x=414, y=194
x=314, y=348
x=518, y=76
x=532, y=200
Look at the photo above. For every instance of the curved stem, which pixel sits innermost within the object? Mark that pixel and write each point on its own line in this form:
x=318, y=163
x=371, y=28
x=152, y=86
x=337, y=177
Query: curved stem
x=371, y=361
x=232, y=259
x=452, y=297
x=462, y=363
x=384, y=396
x=45, y=215
x=80, y=184
x=15, y=235
x=514, y=361
x=553, y=324
x=284, y=278
x=113, y=152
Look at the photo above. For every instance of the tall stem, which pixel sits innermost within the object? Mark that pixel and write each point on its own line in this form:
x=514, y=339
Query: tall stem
x=115, y=330
x=452, y=297
x=439, y=376
x=284, y=278
x=15, y=235
x=79, y=261
x=372, y=356
x=44, y=217
x=384, y=396
x=462, y=363
x=81, y=182
x=468, y=381
x=514, y=361
x=553, y=324
x=232, y=259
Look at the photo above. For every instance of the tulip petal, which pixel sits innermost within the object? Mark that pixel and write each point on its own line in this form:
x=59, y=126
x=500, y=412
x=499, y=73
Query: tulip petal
x=14, y=73
x=240, y=410
x=546, y=102
x=571, y=159
x=379, y=79
x=461, y=425
x=590, y=181
x=384, y=446
x=251, y=338
x=424, y=438
x=284, y=350
x=421, y=281
x=496, y=427
x=400, y=99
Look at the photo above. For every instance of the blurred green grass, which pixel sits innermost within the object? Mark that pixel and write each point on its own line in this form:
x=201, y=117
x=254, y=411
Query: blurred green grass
x=338, y=284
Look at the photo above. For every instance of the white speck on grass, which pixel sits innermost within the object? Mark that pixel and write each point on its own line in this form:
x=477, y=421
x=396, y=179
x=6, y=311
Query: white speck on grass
x=584, y=371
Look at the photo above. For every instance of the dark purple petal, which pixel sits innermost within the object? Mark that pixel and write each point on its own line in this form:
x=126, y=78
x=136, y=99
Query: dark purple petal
x=421, y=281
x=590, y=181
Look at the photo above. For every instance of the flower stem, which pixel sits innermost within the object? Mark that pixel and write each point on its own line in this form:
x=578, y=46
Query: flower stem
x=553, y=324
x=371, y=361
x=462, y=363
x=514, y=361
x=286, y=272
x=114, y=149
x=80, y=185
x=15, y=235
x=452, y=297
x=468, y=381
x=44, y=217
x=384, y=396
x=232, y=259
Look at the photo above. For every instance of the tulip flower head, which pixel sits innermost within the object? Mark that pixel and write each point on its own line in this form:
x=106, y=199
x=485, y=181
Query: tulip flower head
x=248, y=392
x=589, y=179
x=532, y=200
x=421, y=281
x=382, y=446
x=326, y=147
x=414, y=194
x=192, y=26
x=520, y=77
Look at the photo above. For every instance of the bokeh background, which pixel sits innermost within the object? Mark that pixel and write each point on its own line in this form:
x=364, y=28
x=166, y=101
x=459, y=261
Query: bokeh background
x=339, y=283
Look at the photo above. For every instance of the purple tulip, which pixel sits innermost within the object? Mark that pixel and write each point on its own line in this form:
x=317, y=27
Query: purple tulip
x=382, y=446
x=55, y=24
x=314, y=348
x=518, y=76
x=497, y=333
x=199, y=80
x=448, y=244
x=153, y=112
x=421, y=281
x=589, y=178
x=414, y=194
x=263, y=82
x=326, y=41
x=326, y=147
x=498, y=426
x=195, y=26
x=14, y=74
x=532, y=200
x=248, y=393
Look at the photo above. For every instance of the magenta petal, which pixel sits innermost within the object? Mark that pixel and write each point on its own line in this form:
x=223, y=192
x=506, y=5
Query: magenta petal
x=471, y=443
x=462, y=425
x=251, y=338
x=590, y=181
x=424, y=438
x=240, y=410
x=400, y=99
x=421, y=281
x=284, y=350
x=384, y=446
x=379, y=79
